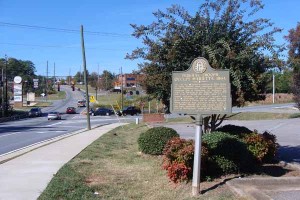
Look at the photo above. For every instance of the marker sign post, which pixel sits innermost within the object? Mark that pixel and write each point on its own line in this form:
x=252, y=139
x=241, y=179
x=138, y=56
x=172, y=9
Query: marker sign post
x=199, y=91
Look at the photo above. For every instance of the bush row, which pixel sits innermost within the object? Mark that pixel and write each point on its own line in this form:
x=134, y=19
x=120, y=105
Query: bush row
x=231, y=149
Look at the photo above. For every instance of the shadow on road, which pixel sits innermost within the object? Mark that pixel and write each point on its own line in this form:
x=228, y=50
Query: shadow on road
x=290, y=153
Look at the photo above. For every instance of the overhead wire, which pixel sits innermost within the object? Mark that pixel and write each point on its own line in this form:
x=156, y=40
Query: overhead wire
x=45, y=28
x=25, y=26
x=56, y=46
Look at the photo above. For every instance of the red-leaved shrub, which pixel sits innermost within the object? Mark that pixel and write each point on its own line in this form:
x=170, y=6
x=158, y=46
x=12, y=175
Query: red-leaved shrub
x=179, y=172
x=179, y=157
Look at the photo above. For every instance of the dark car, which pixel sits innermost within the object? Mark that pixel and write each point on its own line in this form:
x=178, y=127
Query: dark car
x=131, y=110
x=35, y=112
x=71, y=110
x=102, y=111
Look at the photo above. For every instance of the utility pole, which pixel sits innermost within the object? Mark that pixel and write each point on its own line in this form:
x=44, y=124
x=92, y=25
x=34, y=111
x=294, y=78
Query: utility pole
x=2, y=95
x=97, y=84
x=80, y=74
x=47, y=82
x=121, y=89
x=273, y=88
x=106, y=81
x=6, y=104
x=54, y=77
x=69, y=76
x=85, y=81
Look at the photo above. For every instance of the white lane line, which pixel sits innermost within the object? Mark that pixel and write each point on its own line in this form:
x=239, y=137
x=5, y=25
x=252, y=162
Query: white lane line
x=54, y=124
x=277, y=126
x=9, y=134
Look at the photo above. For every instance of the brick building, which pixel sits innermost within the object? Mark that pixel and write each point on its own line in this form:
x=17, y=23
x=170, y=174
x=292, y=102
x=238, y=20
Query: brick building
x=129, y=80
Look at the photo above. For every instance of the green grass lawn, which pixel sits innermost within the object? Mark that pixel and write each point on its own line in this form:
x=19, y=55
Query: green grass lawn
x=113, y=168
x=241, y=116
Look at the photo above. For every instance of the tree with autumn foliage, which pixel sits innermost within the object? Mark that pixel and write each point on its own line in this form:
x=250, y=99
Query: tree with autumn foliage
x=225, y=32
x=294, y=60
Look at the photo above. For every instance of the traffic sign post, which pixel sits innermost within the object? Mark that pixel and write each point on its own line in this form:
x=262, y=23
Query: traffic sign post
x=92, y=99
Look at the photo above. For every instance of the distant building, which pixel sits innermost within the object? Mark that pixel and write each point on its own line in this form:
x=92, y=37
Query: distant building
x=129, y=81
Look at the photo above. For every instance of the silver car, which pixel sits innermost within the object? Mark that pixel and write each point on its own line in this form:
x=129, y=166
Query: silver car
x=54, y=115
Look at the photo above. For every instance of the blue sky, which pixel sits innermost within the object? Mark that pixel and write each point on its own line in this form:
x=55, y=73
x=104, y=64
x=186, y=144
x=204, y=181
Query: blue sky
x=110, y=18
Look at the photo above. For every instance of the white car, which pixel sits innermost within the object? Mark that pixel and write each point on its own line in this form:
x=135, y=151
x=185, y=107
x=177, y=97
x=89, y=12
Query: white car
x=54, y=115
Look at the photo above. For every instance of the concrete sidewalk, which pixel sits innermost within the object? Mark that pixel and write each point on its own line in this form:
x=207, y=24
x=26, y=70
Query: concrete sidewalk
x=25, y=177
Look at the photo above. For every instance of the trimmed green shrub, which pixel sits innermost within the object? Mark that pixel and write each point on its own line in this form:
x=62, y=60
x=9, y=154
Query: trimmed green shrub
x=221, y=165
x=239, y=131
x=154, y=140
x=179, y=159
x=228, y=147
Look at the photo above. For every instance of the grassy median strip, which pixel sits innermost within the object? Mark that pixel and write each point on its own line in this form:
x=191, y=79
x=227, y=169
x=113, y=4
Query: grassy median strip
x=113, y=168
x=258, y=116
x=241, y=116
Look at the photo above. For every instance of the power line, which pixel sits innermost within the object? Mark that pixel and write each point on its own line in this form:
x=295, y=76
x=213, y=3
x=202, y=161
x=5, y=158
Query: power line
x=45, y=28
x=56, y=46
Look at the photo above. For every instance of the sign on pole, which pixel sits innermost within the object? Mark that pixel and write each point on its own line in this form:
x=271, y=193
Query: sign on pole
x=35, y=83
x=18, y=89
x=92, y=99
x=200, y=90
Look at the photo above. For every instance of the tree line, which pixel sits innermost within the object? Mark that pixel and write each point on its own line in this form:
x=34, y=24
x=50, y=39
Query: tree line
x=11, y=67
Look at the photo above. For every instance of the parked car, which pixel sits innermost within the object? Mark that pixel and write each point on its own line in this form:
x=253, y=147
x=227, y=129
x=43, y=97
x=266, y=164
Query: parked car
x=71, y=110
x=81, y=103
x=54, y=115
x=35, y=112
x=131, y=110
x=102, y=111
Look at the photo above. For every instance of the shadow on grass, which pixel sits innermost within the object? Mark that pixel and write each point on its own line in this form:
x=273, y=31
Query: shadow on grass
x=218, y=184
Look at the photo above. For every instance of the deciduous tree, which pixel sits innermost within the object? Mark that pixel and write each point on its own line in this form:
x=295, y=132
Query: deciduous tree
x=225, y=32
x=294, y=60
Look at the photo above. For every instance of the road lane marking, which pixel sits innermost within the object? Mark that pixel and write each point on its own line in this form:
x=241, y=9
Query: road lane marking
x=9, y=134
x=54, y=124
x=277, y=126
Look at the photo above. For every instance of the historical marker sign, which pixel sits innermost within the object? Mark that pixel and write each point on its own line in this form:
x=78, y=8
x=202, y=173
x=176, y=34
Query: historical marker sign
x=201, y=90
x=198, y=91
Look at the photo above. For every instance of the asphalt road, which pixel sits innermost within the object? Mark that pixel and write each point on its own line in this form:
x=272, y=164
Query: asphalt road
x=15, y=135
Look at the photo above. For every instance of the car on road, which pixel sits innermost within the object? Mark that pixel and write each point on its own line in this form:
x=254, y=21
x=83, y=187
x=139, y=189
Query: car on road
x=81, y=103
x=102, y=111
x=54, y=115
x=130, y=110
x=71, y=110
x=35, y=112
